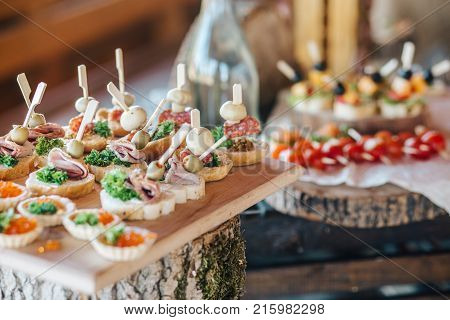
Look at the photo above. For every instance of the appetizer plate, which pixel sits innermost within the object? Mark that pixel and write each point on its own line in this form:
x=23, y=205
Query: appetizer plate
x=79, y=267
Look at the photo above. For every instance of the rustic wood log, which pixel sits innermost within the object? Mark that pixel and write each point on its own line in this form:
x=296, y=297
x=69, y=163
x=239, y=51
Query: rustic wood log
x=209, y=267
x=378, y=207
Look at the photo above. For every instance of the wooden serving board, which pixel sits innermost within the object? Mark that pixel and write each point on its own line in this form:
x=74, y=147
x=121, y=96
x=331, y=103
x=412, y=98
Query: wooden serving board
x=79, y=267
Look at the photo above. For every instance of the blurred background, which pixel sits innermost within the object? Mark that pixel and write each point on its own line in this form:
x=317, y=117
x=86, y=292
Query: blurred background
x=47, y=39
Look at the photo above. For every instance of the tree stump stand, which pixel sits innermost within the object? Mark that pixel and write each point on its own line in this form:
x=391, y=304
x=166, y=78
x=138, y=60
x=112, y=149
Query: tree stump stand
x=385, y=206
x=209, y=267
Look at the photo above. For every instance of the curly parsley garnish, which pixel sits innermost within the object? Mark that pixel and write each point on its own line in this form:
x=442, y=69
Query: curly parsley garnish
x=44, y=145
x=113, y=234
x=45, y=208
x=215, y=162
x=8, y=161
x=86, y=218
x=50, y=174
x=102, y=129
x=217, y=133
x=104, y=158
x=163, y=130
x=114, y=183
x=5, y=219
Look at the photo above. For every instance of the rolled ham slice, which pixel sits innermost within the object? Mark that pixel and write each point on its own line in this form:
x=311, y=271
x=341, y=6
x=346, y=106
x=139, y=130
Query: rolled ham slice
x=178, y=175
x=148, y=190
x=127, y=151
x=47, y=130
x=8, y=147
x=62, y=161
x=246, y=126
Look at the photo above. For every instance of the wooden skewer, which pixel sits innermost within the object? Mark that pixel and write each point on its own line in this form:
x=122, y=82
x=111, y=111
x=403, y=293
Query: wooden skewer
x=440, y=68
x=87, y=118
x=237, y=94
x=25, y=88
x=408, y=55
x=82, y=80
x=120, y=70
x=388, y=67
x=355, y=135
x=113, y=91
x=37, y=98
x=385, y=160
x=286, y=70
x=213, y=147
x=342, y=160
x=409, y=150
x=181, y=75
x=327, y=160
x=195, y=119
x=314, y=52
x=367, y=156
x=154, y=114
x=177, y=140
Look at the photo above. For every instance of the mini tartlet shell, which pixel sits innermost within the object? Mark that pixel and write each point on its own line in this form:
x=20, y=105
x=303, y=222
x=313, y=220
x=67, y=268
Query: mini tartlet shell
x=20, y=240
x=85, y=231
x=125, y=253
x=11, y=202
x=64, y=206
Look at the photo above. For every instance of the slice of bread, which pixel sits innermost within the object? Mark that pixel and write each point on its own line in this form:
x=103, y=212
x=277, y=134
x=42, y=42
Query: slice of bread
x=99, y=172
x=246, y=158
x=20, y=170
x=154, y=149
x=70, y=189
x=136, y=209
x=93, y=142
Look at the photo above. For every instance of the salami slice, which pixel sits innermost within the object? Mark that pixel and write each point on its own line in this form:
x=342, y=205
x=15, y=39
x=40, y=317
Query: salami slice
x=247, y=126
x=178, y=117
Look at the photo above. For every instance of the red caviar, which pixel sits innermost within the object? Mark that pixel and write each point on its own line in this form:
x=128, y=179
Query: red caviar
x=8, y=189
x=20, y=225
x=130, y=239
x=105, y=218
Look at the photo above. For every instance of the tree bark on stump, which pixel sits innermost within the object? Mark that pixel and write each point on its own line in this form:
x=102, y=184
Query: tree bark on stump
x=378, y=207
x=209, y=267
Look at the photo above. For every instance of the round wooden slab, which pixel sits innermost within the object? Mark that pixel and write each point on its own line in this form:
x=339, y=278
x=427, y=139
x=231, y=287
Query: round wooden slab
x=209, y=267
x=378, y=207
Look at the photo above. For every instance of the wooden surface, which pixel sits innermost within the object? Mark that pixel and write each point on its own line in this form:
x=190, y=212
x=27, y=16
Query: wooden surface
x=384, y=206
x=354, y=276
x=79, y=267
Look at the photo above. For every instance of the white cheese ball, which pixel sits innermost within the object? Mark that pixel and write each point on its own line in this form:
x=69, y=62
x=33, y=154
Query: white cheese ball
x=233, y=112
x=199, y=140
x=133, y=119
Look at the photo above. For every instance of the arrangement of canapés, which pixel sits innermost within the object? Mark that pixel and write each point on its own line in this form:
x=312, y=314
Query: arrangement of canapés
x=139, y=166
x=374, y=92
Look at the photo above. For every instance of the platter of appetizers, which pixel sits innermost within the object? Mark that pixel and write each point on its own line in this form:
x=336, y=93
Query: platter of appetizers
x=374, y=100
x=90, y=203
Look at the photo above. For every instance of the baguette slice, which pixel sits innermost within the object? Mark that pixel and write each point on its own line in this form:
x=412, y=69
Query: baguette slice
x=154, y=149
x=94, y=142
x=136, y=209
x=99, y=172
x=20, y=170
x=70, y=189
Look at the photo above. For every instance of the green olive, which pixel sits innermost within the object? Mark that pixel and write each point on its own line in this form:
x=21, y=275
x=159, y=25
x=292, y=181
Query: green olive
x=19, y=135
x=155, y=171
x=36, y=120
x=140, y=139
x=192, y=164
x=75, y=148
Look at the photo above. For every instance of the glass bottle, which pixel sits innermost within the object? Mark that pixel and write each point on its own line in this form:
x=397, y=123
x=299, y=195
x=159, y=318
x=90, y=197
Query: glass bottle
x=218, y=57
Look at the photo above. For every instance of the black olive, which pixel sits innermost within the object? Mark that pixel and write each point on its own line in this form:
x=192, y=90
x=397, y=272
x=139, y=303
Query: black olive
x=339, y=89
x=376, y=77
x=321, y=66
x=428, y=76
x=405, y=73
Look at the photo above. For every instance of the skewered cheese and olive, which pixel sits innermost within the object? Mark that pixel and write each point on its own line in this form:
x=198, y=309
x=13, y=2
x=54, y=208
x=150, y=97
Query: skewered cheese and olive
x=155, y=171
x=19, y=135
x=75, y=148
x=36, y=119
x=133, y=118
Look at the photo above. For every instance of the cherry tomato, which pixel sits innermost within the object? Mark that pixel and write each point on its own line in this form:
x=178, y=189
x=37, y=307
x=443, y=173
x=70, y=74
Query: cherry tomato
x=384, y=135
x=434, y=139
x=403, y=136
x=313, y=159
x=394, y=149
x=416, y=149
x=354, y=151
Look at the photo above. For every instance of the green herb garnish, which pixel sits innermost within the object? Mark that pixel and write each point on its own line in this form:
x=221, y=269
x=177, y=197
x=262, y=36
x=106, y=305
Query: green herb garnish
x=113, y=234
x=114, y=184
x=86, y=218
x=44, y=145
x=163, y=130
x=104, y=158
x=102, y=129
x=217, y=133
x=50, y=174
x=45, y=208
x=215, y=162
x=5, y=219
x=8, y=161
